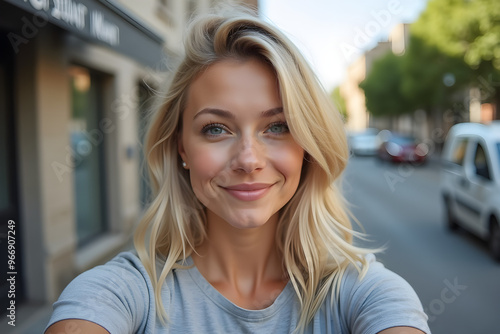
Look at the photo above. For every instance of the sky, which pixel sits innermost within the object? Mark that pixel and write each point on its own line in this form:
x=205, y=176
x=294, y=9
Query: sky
x=333, y=33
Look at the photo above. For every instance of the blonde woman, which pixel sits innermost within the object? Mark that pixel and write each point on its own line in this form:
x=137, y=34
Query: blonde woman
x=247, y=231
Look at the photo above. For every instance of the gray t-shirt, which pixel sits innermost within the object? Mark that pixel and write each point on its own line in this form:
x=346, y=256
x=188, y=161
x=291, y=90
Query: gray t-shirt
x=119, y=296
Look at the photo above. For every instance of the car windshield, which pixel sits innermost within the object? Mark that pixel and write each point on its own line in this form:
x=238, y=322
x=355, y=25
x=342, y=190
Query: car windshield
x=403, y=140
x=364, y=138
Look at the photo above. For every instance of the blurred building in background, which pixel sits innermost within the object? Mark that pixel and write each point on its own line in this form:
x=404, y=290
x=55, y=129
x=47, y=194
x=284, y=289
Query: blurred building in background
x=75, y=84
x=359, y=117
x=416, y=123
x=424, y=126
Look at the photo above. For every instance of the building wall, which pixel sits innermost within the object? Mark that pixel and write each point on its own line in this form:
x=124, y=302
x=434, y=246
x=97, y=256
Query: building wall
x=170, y=17
x=47, y=174
x=380, y=50
x=358, y=116
x=399, y=37
x=357, y=119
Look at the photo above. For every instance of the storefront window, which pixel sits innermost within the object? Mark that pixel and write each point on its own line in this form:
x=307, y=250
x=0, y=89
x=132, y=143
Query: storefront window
x=87, y=147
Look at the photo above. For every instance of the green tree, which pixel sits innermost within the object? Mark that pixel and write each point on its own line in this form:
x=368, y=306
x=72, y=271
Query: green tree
x=431, y=78
x=382, y=87
x=470, y=30
x=423, y=78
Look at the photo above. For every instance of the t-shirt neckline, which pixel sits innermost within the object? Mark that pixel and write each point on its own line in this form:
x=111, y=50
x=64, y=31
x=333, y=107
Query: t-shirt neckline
x=217, y=298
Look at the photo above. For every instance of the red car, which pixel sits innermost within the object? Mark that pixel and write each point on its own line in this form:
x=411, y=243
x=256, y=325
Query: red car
x=403, y=149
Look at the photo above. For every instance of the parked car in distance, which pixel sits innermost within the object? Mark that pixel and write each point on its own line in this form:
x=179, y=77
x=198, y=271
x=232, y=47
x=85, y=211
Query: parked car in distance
x=364, y=143
x=399, y=148
x=470, y=181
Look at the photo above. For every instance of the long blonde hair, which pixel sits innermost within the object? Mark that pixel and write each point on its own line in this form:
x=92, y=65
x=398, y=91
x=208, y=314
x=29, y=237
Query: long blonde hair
x=314, y=233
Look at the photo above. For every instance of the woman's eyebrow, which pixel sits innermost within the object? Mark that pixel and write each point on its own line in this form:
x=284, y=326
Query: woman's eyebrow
x=227, y=114
x=215, y=111
x=272, y=112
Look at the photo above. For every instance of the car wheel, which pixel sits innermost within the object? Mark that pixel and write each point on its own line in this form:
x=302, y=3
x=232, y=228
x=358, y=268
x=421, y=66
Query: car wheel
x=451, y=223
x=494, y=241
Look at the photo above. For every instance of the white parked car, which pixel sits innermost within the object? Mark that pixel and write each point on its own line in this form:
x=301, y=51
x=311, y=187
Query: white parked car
x=364, y=143
x=470, y=181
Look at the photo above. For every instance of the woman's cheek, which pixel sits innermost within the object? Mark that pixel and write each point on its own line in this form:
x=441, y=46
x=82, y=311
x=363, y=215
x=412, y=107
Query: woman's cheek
x=288, y=159
x=207, y=162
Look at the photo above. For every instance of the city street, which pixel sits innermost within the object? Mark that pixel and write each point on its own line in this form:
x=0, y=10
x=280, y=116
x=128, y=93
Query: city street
x=400, y=207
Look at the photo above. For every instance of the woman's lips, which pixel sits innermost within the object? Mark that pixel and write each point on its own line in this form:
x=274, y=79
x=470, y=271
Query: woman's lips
x=248, y=191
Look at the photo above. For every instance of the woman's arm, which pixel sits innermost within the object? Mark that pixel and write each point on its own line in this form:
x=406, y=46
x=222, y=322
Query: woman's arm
x=401, y=330
x=114, y=296
x=382, y=302
x=76, y=326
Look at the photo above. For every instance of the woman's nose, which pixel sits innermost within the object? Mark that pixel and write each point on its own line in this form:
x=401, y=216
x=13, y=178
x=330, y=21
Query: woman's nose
x=249, y=156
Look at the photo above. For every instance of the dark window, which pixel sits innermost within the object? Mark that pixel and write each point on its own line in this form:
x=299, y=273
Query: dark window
x=481, y=162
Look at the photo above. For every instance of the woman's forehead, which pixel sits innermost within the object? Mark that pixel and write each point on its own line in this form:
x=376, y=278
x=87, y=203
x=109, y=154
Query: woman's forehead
x=230, y=84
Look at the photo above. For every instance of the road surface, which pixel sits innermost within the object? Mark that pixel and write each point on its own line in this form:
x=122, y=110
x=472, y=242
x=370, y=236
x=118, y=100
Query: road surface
x=400, y=208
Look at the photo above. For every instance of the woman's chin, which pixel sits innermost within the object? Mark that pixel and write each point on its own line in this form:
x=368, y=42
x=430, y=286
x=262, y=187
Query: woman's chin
x=249, y=221
x=242, y=218
x=246, y=226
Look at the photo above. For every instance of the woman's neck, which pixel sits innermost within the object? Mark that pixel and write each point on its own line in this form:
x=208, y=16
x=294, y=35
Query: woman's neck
x=241, y=263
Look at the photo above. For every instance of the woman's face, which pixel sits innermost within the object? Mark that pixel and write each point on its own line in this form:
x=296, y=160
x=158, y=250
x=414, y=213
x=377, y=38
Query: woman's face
x=244, y=164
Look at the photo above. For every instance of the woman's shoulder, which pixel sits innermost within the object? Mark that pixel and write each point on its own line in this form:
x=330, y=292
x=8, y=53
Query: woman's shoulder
x=360, y=280
x=126, y=266
x=378, y=299
x=128, y=260
x=115, y=295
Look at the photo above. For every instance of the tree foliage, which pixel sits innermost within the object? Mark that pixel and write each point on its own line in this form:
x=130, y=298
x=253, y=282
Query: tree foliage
x=383, y=87
x=463, y=28
x=453, y=45
x=468, y=30
x=431, y=78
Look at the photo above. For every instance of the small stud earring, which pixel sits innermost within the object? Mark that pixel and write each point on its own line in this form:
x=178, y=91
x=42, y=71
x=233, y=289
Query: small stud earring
x=184, y=164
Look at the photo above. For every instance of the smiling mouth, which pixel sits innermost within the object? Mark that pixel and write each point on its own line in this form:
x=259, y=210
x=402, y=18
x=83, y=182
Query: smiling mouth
x=248, y=192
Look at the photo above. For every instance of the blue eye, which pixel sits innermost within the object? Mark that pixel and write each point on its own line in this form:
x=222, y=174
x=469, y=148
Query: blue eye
x=213, y=129
x=278, y=128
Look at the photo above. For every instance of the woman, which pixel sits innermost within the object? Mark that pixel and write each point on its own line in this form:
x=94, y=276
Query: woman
x=247, y=232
